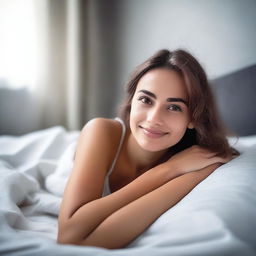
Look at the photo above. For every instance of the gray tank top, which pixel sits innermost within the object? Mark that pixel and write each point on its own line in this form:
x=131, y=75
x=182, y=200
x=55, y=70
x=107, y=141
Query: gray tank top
x=106, y=189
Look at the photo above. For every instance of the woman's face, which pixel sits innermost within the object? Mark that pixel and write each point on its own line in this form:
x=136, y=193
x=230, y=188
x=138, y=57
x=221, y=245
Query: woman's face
x=159, y=114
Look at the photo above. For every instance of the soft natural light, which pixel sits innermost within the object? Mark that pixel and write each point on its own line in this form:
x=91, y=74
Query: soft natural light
x=18, y=43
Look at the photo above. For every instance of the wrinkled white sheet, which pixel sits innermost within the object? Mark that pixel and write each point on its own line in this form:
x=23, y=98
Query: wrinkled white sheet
x=218, y=217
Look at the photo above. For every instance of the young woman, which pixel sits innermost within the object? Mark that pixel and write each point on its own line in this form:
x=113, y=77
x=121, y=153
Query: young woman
x=129, y=171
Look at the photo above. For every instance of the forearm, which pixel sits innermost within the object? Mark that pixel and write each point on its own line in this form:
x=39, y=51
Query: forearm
x=127, y=223
x=89, y=216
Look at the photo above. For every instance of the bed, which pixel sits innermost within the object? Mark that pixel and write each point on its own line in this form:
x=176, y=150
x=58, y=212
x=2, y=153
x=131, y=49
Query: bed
x=218, y=217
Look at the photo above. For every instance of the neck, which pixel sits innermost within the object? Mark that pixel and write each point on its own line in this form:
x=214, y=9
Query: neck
x=139, y=158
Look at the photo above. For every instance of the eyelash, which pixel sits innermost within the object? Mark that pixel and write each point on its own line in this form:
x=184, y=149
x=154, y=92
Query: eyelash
x=177, y=108
x=147, y=100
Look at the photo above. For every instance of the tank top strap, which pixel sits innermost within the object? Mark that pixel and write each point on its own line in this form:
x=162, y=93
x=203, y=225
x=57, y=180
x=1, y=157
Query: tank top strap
x=119, y=146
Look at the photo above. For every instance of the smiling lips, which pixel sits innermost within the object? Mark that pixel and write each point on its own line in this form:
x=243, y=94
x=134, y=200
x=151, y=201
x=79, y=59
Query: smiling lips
x=151, y=133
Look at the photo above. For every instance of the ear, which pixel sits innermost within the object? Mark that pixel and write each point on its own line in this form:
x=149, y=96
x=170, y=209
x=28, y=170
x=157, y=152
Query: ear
x=190, y=125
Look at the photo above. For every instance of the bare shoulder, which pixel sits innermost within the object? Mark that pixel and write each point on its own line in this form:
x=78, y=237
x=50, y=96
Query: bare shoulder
x=99, y=137
x=102, y=125
x=103, y=131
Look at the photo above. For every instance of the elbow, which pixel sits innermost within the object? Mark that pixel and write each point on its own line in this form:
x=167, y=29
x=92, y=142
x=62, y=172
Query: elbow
x=65, y=239
x=99, y=244
x=62, y=240
x=67, y=235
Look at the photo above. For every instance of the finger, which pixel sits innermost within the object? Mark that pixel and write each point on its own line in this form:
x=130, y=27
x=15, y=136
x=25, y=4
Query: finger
x=217, y=159
x=211, y=154
x=224, y=159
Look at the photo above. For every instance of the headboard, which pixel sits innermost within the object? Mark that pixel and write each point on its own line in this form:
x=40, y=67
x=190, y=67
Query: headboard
x=236, y=100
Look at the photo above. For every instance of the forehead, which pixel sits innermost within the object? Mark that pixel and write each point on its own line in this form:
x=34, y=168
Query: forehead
x=163, y=81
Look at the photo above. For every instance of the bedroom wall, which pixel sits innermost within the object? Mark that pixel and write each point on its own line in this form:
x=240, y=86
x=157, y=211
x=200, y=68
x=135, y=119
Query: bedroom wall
x=221, y=34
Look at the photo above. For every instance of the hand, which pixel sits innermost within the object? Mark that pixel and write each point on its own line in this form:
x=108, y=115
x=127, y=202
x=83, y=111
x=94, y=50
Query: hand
x=195, y=158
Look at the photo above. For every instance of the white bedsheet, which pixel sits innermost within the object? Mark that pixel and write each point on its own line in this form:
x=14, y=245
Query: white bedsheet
x=218, y=217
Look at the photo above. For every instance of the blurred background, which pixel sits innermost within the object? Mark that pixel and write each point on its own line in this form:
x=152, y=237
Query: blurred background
x=63, y=62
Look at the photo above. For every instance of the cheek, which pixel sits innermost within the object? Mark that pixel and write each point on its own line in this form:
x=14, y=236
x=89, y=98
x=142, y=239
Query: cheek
x=133, y=115
x=136, y=111
x=179, y=124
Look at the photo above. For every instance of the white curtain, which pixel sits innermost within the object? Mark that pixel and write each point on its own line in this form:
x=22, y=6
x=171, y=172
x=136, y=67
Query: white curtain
x=71, y=66
x=58, y=88
x=80, y=52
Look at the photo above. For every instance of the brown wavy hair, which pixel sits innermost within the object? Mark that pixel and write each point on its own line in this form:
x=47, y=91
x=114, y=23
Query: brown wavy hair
x=209, y=132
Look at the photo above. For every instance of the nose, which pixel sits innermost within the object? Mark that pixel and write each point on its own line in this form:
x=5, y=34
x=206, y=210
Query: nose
x=154, y=116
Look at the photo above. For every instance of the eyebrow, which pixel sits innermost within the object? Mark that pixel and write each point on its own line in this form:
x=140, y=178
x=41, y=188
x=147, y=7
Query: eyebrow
x=168, y=99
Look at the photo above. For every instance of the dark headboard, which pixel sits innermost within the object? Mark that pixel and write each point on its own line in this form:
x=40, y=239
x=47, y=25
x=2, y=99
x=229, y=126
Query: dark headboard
x=236, y=99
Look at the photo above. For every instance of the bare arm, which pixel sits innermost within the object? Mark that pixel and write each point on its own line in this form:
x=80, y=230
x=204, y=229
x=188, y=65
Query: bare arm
x=93, y=213
x=117, y=219
x=127, y=223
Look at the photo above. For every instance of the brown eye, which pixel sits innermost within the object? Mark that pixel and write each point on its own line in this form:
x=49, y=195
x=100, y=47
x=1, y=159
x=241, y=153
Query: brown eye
x=175, y=108
x=145, y=100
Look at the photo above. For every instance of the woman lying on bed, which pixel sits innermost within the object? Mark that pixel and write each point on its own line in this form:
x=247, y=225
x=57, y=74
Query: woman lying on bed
x=129, y=171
